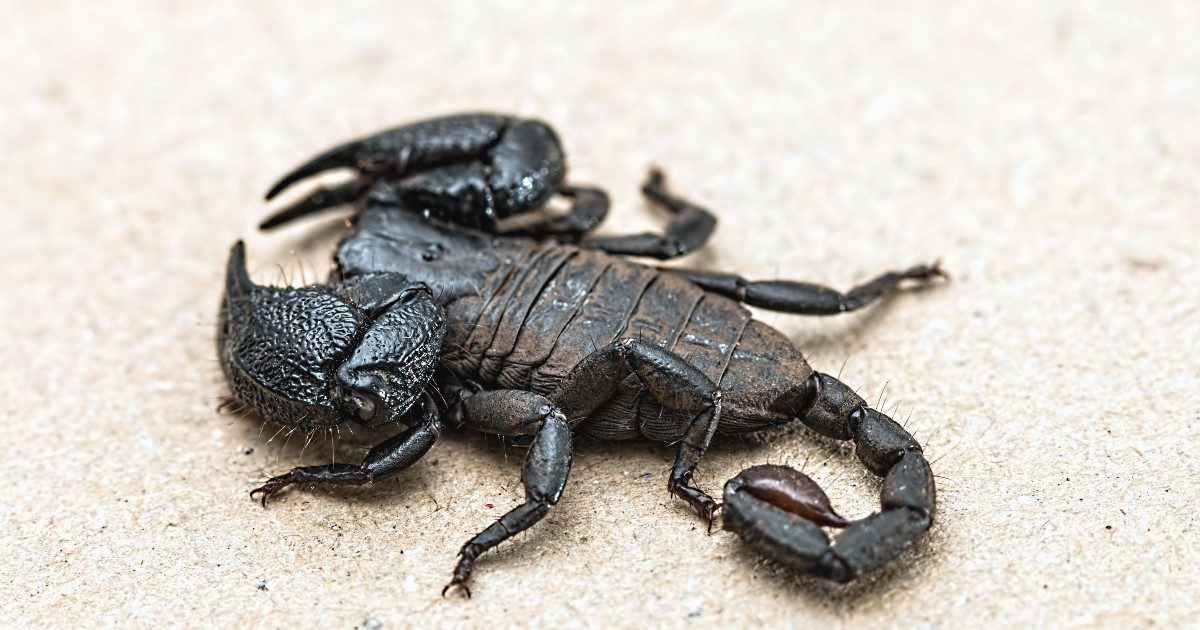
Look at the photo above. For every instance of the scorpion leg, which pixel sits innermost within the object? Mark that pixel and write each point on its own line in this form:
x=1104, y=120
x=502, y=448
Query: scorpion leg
x=674, y=382
x=544, y=474
x=804, y=298
x=588, y=208
x=688, y=230
x=383, y=460
x=779, y=511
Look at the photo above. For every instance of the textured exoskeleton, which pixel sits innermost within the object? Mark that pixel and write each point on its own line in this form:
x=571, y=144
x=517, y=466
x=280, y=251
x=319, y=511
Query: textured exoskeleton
x=550, y=332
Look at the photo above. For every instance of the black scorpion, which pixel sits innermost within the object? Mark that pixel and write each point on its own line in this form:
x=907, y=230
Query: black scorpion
x=544, y=331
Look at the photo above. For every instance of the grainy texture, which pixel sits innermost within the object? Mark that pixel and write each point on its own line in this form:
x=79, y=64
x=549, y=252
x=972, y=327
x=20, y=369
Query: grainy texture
x=1050, y=155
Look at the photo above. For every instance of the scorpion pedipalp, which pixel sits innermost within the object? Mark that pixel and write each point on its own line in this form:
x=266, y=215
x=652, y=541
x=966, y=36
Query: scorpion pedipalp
x=416, y=145
x=469, y=169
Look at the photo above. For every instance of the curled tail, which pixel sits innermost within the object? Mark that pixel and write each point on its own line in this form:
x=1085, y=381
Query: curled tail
x=780, y=512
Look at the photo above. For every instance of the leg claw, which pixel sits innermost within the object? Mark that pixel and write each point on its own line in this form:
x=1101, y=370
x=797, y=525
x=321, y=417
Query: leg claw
x=272, y=487
x=458, y=586
x=706, y=509
x=712, y=516
x=927, y=272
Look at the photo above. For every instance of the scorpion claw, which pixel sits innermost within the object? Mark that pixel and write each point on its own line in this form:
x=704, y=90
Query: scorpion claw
x=337, y=157
x=317, y=201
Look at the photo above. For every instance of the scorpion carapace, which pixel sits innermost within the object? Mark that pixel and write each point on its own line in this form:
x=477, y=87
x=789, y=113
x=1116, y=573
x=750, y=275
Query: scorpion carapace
x=548, y=331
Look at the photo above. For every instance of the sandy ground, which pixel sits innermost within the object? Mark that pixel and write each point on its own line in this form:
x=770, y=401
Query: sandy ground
x=1050, y=156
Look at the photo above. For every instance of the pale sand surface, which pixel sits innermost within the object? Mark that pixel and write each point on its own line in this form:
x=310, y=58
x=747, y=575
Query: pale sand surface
x=1049, y=155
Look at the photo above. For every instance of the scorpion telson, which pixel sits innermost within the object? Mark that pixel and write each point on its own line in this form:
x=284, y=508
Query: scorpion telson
x=513, y=345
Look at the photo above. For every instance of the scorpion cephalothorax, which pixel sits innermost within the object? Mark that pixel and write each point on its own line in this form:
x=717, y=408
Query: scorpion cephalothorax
x=547, y=330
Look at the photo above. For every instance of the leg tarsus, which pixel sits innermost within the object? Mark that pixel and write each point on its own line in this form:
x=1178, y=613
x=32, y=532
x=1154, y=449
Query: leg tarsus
x=886, y=283
x=589, y=207
x=544, y=473
x=803, y=298
x=336, y=474
x=383, y=460
x=716, y=511
x=691, y=448
x=515, y=521
x=458, y=586
x=689, y=228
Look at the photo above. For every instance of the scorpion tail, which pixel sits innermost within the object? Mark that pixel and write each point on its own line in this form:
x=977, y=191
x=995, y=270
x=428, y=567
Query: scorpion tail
x=780, y=512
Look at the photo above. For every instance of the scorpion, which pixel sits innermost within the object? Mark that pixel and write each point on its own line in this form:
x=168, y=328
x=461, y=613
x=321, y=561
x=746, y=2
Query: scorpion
x=438, y=312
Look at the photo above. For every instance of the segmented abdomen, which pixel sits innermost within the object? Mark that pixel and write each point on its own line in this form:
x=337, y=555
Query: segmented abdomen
x=547, y=308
